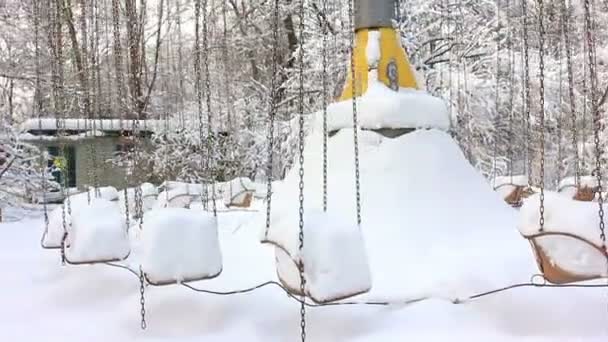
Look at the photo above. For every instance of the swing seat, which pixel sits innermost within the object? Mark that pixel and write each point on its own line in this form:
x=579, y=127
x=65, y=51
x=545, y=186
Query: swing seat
x=239, y=193
x=585, y=191
x=179, y=246
x=334, y=258
x=514, y=189
x=569, y=248
x=53, y=236
x=97, y=234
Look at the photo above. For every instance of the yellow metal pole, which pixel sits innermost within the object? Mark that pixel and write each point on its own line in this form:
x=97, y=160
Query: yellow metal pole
x=376, y=16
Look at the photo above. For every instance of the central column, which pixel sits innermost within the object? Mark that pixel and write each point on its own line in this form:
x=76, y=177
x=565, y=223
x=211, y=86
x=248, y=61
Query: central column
x=378, y=54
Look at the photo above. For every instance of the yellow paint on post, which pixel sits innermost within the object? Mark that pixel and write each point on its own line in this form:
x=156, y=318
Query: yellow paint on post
x=390, y=49
x=361, y=68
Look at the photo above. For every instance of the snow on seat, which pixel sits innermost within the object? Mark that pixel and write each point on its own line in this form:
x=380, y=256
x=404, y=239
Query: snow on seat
x=238, y=192
x=513, y=189
x=180, y=245
x=569, y=248
x=584, y=191
x=333, y=255
x=98, y=233
x=179, y=197
x=53, y=235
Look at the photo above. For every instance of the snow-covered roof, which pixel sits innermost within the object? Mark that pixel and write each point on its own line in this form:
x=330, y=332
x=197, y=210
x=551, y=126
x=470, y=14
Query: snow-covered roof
x=105, y=125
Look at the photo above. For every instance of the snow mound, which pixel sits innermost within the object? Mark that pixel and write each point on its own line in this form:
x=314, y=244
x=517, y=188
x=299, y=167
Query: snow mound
x=333, y=255
x=381, y=107
x=566, y=216
x=417, y=209
x=180, y=245
x=98, y=233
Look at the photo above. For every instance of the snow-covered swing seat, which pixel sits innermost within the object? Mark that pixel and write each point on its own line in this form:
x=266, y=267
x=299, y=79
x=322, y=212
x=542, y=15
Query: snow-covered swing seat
x=585, y=190
x=180, y=245
x=569, y=248
x=333, y=256
x=52, y=236
x=513, y=189
x=97, y=234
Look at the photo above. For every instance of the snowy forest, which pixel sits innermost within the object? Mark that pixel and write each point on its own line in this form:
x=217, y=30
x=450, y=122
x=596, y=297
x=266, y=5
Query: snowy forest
x=210, y=63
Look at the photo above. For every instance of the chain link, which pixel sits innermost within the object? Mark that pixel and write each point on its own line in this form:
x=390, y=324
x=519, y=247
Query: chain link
x=273, y=111
x=497, y=94
x=565, y=21
x=199, y=98
x=597, y=117
x=301, y=170
x=526, y=92
x=38, y=113
x=351, y=16
x=541, y=55
x=142, y=298
x=325, y=102
x=211, y=139
x=511, y=89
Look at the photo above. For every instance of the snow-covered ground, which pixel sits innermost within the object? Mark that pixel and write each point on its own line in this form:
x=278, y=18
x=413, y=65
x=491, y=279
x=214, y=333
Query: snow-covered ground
x=432, y=226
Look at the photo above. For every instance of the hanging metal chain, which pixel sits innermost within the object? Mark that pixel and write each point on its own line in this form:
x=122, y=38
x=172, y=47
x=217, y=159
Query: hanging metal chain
x=38, y=113
x=597, y=117
x=301, y=169
x=497, y=95
x=142, y=298
x=325, y=104
x=560, y=116
x=211, y=139
x=565, y=21
x=351, y=16
x=541, y=70
x=199, y=99
x=273, y=111
x=511, y=36
x=526, y=48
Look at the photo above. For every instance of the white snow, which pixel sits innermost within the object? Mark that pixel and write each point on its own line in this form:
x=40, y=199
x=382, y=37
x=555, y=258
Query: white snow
x=148, y=193
x=504, y=185
x=372, y=50
x=432, y=226
x=53, y=236
x=564, y=215
x=110, y=125
x=334, y=258
x=180, y=245
x=381, y=107
x=414, y=213
x=98, y=233
x=567, y=186
x=236, y=191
